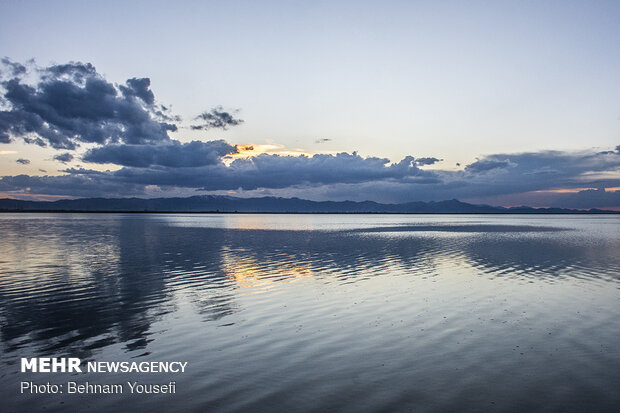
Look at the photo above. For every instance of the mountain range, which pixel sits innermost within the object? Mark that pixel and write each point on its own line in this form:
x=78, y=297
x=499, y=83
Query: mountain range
x=212, y=203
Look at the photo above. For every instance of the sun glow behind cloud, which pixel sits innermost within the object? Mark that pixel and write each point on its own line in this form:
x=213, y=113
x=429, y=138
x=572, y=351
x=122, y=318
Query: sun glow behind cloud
x=251, y=150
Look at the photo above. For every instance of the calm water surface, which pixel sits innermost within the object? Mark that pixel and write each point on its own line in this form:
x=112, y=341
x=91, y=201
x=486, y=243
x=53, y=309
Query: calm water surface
x=287, y=313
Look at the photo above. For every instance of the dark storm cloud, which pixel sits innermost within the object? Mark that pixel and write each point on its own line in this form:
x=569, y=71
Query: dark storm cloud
x=173, y=154
x=71, y=104
x=64, y=157
x=216, y=118
x=23, y=161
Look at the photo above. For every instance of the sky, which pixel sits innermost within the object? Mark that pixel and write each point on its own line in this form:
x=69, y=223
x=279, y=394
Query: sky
x=504, y=102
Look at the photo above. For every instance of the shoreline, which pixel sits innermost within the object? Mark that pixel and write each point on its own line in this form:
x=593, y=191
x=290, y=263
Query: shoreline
x=76, y=211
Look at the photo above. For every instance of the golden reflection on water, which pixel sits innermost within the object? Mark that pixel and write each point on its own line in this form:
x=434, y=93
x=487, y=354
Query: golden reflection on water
x=249, y=273
x=292, y=222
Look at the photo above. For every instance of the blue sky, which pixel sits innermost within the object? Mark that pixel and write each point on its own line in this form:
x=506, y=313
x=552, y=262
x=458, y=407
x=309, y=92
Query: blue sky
x=460, y=82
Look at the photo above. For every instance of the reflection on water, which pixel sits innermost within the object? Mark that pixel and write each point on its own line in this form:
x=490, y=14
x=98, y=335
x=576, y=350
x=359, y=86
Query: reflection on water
x=327, y=312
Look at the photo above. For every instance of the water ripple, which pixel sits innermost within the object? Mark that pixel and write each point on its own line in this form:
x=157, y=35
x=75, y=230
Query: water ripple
x=320, y=313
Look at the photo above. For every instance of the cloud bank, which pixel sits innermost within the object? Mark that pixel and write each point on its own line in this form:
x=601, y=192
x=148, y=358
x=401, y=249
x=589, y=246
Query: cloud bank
x=203, y=166
x=69, y=105
x=172, y=154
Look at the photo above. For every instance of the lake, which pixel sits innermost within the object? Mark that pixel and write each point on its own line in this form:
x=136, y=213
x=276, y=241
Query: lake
x=305, y=313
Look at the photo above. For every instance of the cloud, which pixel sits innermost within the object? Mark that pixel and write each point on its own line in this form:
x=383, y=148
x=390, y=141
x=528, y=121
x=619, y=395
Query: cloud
x=64, y=157
x=75, y=70
x=263, y=171
x=139, y=88
x=427, y=161
x=276, y=171
x=72, y=185
x=15, y=69
x=173, y=154
x=217, y=118
x=23, y=161
x=71, y=104
x=487, y=165
x=590, y=198
x=68, y=105
x=269, y=171
x=323, y=176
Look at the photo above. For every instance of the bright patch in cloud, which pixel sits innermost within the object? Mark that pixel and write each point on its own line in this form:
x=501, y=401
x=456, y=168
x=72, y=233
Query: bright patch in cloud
x=251, y=150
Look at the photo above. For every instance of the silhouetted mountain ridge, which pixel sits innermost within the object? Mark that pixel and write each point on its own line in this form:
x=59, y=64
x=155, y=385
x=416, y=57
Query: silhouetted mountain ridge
x=213, y=203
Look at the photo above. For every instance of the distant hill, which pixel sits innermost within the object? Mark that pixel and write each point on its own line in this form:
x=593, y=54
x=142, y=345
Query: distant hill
x=210, y=203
